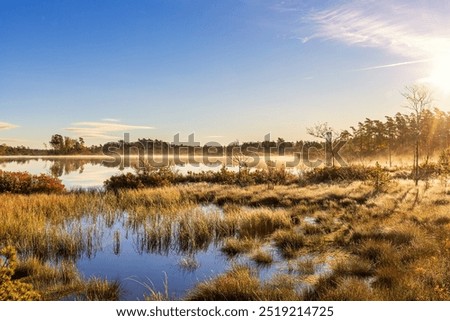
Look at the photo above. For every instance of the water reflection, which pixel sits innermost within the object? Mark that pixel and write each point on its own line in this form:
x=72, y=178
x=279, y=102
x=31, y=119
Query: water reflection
x=85, y=172
x=138, y=251
x=55, y=166
x=73, y=172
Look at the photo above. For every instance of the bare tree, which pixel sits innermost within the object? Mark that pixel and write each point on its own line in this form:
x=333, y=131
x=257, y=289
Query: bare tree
x=419, y=98
x=323, y=131
x=241, y=160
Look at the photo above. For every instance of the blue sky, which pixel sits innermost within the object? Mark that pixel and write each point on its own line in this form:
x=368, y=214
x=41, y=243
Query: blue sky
x=224, y=70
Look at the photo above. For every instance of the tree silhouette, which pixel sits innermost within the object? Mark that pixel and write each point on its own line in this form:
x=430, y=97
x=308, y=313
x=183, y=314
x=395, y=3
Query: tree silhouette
x=418, y=99
x=323, y=131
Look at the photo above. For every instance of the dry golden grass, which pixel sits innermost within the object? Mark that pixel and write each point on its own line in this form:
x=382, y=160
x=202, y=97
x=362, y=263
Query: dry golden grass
x=238, y=284
x=306, y=266
x=262, y=258
x=233, y=246
x=256, y=222
x=62, y=281
x=349, y=289
x=242, y=284
x=394, y=244
x=100, y=290
x=288, y=242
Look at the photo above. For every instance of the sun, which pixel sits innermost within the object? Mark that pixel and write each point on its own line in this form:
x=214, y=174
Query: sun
x=440, y=73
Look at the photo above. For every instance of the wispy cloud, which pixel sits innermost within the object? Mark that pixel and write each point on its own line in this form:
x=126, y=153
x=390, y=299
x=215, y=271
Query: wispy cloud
x=398, y=64
x=103, y=130
x=11, y=140
x=4, y=126
x=114, y=120
x=403, y=28
x=417, y=32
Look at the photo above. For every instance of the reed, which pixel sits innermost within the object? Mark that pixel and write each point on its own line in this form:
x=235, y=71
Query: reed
x=288, y=242
x=262, y=258
x=238, y=284
x=232, y=246
x=394, y=243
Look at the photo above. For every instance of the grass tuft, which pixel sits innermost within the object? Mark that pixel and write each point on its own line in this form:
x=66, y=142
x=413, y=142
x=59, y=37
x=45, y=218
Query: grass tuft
x=233, y=246
x=288, y=242
x=262, y=258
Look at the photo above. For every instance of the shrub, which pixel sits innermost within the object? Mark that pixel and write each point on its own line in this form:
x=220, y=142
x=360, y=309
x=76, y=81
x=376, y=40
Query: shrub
x=144, y=177
x=25, y=183
x=149, y=176
x=128, y=180
x=379, y=178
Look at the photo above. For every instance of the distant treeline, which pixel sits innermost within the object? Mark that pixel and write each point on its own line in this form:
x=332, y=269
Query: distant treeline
x=394, y=136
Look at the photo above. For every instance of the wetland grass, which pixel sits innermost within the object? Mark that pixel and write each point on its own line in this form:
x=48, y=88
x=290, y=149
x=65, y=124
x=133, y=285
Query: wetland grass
x=394, y=243
x=238, y=284
x=288, y=242
x=233, y=246
x=262, y=258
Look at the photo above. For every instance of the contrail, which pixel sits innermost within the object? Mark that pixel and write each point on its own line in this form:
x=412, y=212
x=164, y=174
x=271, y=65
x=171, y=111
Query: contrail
x=393, y=65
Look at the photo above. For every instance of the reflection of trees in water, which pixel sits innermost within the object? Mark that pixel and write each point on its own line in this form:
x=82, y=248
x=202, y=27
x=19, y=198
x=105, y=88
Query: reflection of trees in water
x=20, y=161
x=61, y=167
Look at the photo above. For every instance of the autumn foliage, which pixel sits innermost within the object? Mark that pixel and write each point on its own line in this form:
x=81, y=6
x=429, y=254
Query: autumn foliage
x=25, y=183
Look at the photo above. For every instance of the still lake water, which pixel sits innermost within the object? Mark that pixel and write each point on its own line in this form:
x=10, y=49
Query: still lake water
x=79, y=172
x=118, y=253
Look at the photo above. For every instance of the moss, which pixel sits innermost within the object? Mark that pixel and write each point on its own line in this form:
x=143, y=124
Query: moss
x=13, y=290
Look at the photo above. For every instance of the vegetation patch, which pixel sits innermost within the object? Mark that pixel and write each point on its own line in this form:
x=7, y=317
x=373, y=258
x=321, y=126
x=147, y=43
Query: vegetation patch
x=234, y=246
x=25, y=183
x=403, y=254
x=288, y=242
x=262, y=258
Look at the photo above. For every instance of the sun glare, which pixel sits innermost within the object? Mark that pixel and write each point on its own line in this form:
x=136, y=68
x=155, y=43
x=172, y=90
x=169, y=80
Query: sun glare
x=440, y=73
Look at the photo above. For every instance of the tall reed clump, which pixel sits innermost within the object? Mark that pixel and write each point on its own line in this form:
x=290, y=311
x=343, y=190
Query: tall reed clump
x=141, y=203
x=195, y=233
x=255, y=222
x=48, y=226
x=184, y=231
